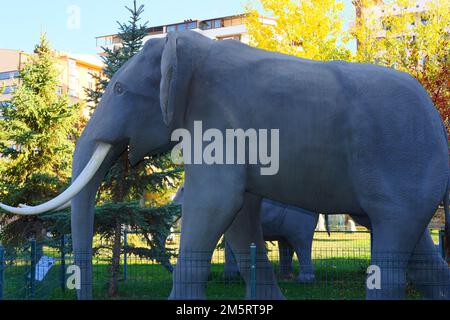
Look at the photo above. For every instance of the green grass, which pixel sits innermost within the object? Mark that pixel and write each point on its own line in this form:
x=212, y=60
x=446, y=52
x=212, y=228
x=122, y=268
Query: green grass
x=337, y=278
x=340, y=263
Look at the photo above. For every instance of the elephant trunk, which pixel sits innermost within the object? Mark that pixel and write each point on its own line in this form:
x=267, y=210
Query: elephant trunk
x=83, y=205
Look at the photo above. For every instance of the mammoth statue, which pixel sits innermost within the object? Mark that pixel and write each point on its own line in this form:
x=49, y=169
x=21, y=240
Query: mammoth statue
x=352, y=138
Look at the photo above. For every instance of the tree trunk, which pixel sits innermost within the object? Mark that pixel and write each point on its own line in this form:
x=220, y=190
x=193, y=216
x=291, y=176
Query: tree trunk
x=118, y=197
x=113, y=290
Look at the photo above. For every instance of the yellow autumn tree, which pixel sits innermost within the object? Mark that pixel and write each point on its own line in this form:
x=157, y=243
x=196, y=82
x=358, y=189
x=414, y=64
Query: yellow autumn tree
x=410, y=36
x=310, y=29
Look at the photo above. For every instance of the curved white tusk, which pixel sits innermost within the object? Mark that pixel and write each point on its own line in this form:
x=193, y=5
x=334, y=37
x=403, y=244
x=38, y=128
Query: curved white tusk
x=80, y=182
x=65, y=206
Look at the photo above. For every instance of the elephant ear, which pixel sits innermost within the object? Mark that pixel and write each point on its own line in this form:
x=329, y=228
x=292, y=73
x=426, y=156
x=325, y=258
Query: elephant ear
x=182, y=54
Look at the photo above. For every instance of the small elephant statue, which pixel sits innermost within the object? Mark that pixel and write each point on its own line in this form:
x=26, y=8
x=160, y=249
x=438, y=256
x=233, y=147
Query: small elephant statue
x=292, y=227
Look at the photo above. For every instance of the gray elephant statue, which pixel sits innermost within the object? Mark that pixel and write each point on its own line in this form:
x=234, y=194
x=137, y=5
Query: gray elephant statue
x=345, y=138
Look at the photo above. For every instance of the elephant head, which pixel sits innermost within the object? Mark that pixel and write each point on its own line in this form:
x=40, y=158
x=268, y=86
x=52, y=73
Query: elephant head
x=143, y=103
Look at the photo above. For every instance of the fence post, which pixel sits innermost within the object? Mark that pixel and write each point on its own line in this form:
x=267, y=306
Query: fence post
x=253, y=271
x=442, y=243
x=2, y=270
x=125, y=262
x=33, y=267
x=63, y=263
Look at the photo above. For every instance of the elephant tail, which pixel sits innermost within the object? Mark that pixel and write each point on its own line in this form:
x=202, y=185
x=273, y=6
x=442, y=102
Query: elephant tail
x=447, y=219
x=446, y=205
x=327, y=225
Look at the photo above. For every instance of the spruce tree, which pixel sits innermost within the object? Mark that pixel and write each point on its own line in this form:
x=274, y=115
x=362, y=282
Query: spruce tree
x=124, y=195
x=38, y=130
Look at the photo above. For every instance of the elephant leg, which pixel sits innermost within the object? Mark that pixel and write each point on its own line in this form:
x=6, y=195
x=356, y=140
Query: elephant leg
x=428, y=271
x=231, y=269
x=164, y=259
x=393, y=243
x=299, y=227
x=286, y=254
x=245, y=230
x=306, y=274
x=82, y=236
x=206, y=216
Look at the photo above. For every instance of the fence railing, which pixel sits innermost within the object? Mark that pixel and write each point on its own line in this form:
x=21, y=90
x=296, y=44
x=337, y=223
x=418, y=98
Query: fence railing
x=339, y=260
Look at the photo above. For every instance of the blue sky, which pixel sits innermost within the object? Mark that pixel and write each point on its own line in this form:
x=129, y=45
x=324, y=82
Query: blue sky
x=23, y=20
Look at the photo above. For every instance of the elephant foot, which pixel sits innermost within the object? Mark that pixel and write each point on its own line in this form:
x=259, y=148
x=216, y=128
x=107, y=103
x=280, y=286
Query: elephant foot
x=190, y=276
x=187, y=291
x=306, y=278
x=83, y=272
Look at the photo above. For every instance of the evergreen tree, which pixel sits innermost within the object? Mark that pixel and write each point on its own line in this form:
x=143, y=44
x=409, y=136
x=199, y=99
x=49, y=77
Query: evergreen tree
x=36, y=143
x=134, y=197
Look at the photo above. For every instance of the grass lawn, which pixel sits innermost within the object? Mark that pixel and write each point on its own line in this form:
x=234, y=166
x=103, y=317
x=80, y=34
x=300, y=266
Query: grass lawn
x=340, y=263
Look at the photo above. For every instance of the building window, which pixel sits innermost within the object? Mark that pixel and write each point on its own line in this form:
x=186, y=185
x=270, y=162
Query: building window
x=192, y=25
x=4, y=105
x=211, y=24
x=155, y=30
x=236, y=37
x=104, y=41
x=182, y=26
x=9, y=89
x=9, y=75
x=218, y=23
x=73, y=93
x=205, y=25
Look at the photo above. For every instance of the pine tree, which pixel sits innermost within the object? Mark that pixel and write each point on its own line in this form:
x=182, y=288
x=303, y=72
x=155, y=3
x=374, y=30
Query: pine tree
x=36, y=143
x=122, y=195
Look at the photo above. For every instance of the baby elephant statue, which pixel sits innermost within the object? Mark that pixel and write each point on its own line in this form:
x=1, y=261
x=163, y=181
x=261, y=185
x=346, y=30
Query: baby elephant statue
x=292, y=227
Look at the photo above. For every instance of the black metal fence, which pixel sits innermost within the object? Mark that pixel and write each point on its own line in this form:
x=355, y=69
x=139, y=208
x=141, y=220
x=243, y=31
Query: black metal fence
x=340, y=261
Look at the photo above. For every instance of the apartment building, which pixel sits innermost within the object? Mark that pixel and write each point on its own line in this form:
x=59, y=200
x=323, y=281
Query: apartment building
x=221, y=28
x=380, y=11
x=11, y=61
x=75, y=73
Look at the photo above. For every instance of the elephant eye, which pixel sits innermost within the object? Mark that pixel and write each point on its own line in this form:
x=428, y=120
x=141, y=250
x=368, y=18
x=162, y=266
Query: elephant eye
x=118, y=88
